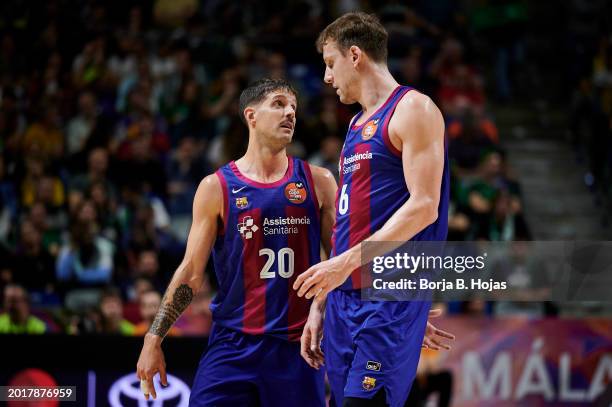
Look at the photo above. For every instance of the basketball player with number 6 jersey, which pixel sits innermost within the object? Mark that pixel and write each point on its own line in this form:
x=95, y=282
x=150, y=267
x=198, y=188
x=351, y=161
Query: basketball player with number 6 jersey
x=264, y=218
x=394, y=187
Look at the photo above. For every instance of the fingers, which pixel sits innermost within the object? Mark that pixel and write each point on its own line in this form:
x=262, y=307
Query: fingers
x=151, y=388
x=315, y=349
x=440, y=344
x=308, y=284
x=317, y=290
x=162, y=376
x=435, y=313
x=302, y=277
x=444, y=334
x=429, y=344
x=305, y=351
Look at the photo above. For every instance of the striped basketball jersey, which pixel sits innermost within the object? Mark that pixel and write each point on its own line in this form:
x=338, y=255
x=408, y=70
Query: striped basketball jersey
x=372, y=184
x=271, y=234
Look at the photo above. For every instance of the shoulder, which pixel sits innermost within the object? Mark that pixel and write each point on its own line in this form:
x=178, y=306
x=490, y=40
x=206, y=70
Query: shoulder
x=320, y=174
x=209, y=196
x=416, y=104
x=325, y=185
x=211, y=181
x=414, y=115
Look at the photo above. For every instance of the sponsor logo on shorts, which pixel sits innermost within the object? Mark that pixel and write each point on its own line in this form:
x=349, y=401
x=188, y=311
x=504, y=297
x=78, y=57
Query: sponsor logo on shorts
x=368, y=383
x=373, y=365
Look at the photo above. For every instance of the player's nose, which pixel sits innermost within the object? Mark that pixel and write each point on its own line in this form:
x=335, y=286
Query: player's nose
x=327, y=77
x=290, y=112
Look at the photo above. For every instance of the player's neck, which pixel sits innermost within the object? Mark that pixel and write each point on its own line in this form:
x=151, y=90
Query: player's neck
x=263, y=164
x=375, y=88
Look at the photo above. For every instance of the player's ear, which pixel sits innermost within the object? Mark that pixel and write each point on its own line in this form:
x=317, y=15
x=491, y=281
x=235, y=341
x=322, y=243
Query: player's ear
x=249, y=116
x=355, y=54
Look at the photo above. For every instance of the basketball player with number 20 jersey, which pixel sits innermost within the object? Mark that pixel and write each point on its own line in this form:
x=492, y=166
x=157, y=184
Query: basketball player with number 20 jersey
x=265, y=218
x=394, y=187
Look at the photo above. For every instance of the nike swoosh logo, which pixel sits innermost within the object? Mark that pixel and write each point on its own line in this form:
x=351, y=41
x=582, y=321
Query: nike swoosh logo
x=235, y=191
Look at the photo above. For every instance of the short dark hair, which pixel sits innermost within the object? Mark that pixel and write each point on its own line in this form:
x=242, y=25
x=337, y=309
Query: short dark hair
x=258, y=90
x=360, y=29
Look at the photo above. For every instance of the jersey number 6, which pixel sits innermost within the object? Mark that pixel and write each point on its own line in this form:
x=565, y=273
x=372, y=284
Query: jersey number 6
x=343, y=205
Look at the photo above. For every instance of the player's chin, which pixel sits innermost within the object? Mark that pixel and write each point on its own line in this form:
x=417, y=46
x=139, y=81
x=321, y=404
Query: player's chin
x=345, y=100
x=285, y=134
x=284, y=138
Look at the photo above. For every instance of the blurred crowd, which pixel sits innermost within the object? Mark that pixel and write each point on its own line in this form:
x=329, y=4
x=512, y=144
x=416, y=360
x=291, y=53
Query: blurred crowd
x=112, y=112
x=591, y=102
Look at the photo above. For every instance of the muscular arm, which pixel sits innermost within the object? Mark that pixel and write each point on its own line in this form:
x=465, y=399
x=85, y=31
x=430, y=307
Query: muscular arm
x=326, y=188
x=189, y=276
x=417, y=130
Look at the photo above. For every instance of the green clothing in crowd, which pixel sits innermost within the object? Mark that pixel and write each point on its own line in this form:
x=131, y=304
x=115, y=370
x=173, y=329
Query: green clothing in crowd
x=33, y=325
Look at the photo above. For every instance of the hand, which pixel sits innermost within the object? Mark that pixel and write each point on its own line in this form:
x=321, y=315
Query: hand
x=150, y=362
x=430, y=340
x=310, y=341
x=323, y=277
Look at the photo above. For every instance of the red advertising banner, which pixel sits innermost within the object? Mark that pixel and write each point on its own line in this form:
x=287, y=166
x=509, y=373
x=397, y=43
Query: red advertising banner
x=523, y=362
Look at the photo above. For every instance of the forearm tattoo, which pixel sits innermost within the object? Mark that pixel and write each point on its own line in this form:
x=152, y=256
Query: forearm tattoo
x=169, y=311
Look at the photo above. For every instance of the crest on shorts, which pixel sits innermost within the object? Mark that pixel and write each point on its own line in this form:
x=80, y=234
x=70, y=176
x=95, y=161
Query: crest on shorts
x=368, y=383
x=369, y=129
x=242, y=202
x=295, y=192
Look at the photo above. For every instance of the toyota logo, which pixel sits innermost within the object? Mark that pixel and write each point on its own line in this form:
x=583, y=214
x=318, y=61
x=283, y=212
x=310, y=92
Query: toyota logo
x=128, y=386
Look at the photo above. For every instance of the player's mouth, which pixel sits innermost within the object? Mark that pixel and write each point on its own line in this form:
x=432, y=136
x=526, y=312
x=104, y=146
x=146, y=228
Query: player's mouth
x=287, y=125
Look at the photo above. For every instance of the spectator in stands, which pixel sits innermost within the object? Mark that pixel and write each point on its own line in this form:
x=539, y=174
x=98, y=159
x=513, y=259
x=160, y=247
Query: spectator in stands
x=327, y=156
x=185, y=170
x=50, y=191
x=80, y=127
x=50, y=229
x=33, y=265
x=147, y=266
x=460, y=84
x=142, y=170
x=88, y=259
x=8, y=201
x=106, y=209
x=45, y=136
x=97, y=171
x=111, y=308
x=17, y=318
x=470, y=137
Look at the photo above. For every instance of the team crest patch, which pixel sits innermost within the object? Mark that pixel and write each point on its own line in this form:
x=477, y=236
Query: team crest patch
x=295, y=192
x=242, y=202
x=368, y=383
x=373, y=365
x=369, y=129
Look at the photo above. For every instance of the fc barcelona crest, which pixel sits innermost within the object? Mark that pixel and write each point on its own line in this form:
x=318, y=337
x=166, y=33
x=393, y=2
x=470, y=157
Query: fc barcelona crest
x=368, y=383
x=242, y=202
x=369, y=129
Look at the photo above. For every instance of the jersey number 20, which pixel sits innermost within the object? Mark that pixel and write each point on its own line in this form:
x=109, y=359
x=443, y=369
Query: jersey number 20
x=285, y=262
